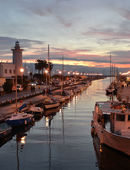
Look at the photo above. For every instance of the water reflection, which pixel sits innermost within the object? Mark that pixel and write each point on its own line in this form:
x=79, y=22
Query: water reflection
x=21, y=135
x=51, y=111
x=48, y=120
x=20, y=142
x=62, y=118
x=108, y=158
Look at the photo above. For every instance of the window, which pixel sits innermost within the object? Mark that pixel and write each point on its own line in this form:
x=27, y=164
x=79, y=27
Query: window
x=128, y=117
x=120, y=117
x=10, y=71
x=6, y=71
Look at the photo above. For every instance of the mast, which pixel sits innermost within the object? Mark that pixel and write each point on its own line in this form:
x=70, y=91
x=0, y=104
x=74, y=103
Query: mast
x=49, y=66
x=62, y=78
x=16, y=87
x=48, y=55
x=110, y=68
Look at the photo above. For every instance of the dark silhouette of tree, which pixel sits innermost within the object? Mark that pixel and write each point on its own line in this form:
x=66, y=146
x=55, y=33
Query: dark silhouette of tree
x=49, y=66
x=8, y=86
x=41, y=65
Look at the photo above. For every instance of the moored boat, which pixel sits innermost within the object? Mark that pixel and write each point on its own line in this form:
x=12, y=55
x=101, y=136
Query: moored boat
x=52, y=105
x=108, y=158
x=49, y=103
x=112, y=91
x=111, y=123
x=35, y=110
x=19, y=119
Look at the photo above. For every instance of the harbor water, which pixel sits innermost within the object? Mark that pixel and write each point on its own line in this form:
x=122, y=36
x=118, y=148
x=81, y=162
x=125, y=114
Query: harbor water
x=63, y=141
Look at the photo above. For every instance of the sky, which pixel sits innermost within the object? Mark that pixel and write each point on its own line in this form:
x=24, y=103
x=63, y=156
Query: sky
x=85, y=32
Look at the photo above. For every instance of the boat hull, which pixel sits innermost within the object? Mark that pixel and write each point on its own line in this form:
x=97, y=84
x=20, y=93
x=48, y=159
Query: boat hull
x=111, y=91
x=20, y=120
x=112, y=140
x=51, y=105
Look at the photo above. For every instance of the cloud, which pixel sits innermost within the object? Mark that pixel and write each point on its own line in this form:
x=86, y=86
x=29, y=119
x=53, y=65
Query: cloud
x=7, y=43
x=125, y=13
x=121, y=57
x=107, y=34
x=50, y=10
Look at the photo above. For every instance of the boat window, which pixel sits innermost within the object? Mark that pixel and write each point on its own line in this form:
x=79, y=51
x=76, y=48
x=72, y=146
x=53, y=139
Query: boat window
x=120, y=117
x=128, y=117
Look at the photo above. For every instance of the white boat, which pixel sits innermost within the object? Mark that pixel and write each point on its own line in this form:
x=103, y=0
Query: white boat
x=111, y=123
x=19, y=119
x=36, y=111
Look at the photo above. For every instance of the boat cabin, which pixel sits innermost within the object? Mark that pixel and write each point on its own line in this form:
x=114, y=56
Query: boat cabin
x=115, y=117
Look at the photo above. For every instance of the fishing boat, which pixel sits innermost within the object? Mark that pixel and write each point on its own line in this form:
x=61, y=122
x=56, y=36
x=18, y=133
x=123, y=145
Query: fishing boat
x=111, y=90
x=108, y=158
x=111, y=124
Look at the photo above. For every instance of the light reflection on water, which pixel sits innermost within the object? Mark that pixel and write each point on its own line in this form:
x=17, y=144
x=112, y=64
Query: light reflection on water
x=62, y=141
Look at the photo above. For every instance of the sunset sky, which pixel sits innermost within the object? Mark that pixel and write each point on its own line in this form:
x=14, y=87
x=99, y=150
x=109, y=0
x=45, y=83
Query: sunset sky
x=83, y=31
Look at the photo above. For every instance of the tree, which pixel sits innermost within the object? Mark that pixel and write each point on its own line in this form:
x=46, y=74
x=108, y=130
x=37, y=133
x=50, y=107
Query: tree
x=50, y=66
x=8, y=86
x=41, y=65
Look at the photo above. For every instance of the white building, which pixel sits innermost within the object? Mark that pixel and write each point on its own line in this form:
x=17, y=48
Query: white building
x=7, y=70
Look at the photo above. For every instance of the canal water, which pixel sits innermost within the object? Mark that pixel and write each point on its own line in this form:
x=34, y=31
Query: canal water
x=62, y=141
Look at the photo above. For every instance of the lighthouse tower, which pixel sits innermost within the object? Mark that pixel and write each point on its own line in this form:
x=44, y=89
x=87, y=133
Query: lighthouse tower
x=17, y=58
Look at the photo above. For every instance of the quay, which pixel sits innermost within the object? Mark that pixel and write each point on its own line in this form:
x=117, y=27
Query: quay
x=9, y=105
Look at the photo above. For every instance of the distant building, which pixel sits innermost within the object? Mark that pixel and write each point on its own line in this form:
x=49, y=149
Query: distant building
x=7, y=70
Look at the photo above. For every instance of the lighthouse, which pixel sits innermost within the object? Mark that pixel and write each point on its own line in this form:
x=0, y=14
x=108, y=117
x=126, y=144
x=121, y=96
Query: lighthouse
x=17, y=58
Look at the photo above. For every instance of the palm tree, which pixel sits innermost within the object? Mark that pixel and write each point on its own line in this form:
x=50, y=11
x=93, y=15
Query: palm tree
x=40, y=65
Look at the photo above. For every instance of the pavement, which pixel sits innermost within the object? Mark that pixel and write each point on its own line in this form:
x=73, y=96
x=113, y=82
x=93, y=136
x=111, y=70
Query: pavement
x=7, y=110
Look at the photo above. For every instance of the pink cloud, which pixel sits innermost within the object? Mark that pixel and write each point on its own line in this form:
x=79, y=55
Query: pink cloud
x=124, y=12
x=107, y=33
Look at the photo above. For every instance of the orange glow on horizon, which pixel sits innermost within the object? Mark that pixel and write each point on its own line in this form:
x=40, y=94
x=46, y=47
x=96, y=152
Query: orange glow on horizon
x=72, y=62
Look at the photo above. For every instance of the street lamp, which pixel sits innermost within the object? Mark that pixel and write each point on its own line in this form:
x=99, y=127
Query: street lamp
x=61, y=76
x=22, y=71
x=46, y=72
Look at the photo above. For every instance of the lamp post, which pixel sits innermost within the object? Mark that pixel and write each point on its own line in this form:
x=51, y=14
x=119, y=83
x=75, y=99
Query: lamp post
x=46, y=72
x=22, y=71
x=61, y=76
